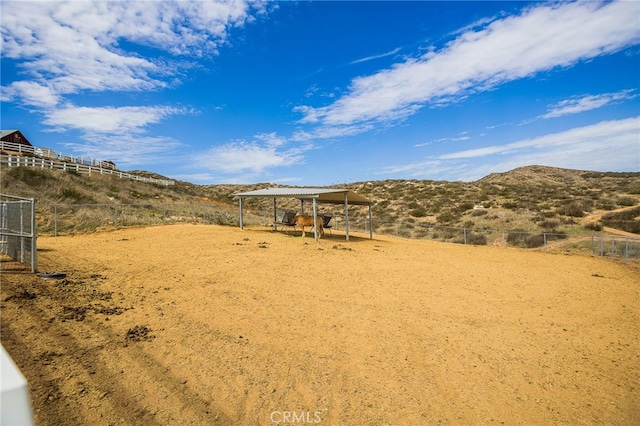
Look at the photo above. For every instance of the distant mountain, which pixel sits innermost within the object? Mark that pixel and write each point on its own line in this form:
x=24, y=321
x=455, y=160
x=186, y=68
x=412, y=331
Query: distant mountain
x=543, y=175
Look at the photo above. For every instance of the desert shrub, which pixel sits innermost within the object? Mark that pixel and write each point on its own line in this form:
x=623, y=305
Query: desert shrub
x=627, y=201
x=445, y=233
x=550, y=224
x=382, y=204
x=446, y=217
x=468, y=224
x=421, y=233
x=222, y=218
x=467, y=205
x=534, y=240
x=479, y=212
x=594, y=226
x=418, y=212
x=573, y=209
x=537, y=240
x=476, y=238
x=510, y=205
x=606, y=204
x=517, y=237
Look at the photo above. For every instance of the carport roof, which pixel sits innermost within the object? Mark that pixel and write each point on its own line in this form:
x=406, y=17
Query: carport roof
x=322, y=195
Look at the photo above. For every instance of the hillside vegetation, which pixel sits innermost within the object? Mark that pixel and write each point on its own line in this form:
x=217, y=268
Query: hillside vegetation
x=531, y=199
x=527, y=199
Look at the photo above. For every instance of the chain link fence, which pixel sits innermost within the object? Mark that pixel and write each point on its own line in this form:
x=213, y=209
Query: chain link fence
x=18, y=230
x=619, y=247
x=61, y=219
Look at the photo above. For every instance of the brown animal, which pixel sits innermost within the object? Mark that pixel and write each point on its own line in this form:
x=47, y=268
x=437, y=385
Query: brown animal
x=303, y=220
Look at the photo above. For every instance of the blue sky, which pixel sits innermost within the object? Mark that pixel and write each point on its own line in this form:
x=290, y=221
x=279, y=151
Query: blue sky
x=326, y=92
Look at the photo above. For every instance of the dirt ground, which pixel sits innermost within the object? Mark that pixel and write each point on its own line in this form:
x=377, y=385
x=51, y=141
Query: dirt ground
x=211, y=325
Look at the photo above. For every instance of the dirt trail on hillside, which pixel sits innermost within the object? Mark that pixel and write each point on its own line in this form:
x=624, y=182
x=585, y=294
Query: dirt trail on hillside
x=593, y=218
x=210, y=325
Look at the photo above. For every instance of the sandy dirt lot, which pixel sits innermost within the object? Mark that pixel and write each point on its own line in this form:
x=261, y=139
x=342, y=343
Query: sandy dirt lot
x=210, y=325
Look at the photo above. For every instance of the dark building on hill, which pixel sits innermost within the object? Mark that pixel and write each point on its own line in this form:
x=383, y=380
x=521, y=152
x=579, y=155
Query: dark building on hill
x=14, y=136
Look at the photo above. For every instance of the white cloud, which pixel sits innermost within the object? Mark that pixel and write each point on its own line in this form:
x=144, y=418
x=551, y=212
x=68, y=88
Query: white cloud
x=69, y=47
x=583, y=103
x=109, y=120
x=263, y=152
x=585, y=138
x=31, y=93
x=463, y=136
x=371, y=58
x=329, y=132
x=606, y=146
x=540, y=39
x=126, y=150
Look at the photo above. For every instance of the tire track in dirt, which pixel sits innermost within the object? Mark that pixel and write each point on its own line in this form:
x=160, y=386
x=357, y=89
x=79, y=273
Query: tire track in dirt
x=81, y=338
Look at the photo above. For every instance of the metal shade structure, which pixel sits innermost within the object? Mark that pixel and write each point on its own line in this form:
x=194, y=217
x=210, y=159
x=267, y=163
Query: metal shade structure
x=315, y=195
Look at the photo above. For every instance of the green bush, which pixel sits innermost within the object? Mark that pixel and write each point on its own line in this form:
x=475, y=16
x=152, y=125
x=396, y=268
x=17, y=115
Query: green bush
x=418, y=212
x=467, y=205
x=510, y=205
x=572, y=209
x=627, y=201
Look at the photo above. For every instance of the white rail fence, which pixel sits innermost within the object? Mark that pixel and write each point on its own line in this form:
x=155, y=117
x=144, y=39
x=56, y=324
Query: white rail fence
x=47, y=159
x=54, y=155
